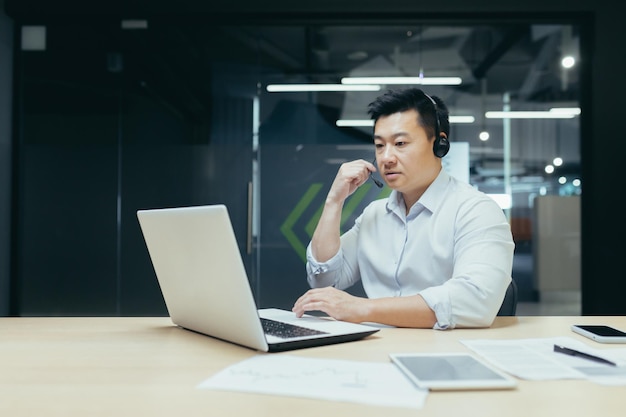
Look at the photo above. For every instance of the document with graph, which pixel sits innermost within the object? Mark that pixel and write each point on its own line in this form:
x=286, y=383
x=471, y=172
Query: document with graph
x=327, y=379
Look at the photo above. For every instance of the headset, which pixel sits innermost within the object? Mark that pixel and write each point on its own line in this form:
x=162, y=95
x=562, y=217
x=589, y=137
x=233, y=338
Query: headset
x=441, y=145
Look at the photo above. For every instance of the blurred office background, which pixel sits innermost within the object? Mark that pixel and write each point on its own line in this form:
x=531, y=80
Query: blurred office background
x=107, y=108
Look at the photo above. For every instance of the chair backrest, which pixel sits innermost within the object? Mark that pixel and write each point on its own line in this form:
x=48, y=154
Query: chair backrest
x=509, y=305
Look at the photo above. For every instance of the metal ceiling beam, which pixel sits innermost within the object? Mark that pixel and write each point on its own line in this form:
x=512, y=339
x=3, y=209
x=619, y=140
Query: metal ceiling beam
x=540, y=64
x=509, y=39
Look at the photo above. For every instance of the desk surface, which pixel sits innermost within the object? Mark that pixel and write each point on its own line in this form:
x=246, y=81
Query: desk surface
x=148, y=367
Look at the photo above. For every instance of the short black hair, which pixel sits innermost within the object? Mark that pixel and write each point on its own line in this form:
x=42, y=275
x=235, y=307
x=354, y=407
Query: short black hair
x=395, y=101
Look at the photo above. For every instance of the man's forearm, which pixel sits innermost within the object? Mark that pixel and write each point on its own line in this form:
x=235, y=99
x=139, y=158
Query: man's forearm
x=411, y=311
x=326, y=238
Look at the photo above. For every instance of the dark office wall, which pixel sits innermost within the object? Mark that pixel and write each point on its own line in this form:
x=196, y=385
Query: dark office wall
x=178, y=174
x=6, y=71
x=99, y=139
x=81, y=251
x=603, y=141
x=603, y=150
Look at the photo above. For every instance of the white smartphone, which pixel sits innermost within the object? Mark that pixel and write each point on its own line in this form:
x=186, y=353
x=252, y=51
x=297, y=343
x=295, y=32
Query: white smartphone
x=600, y=333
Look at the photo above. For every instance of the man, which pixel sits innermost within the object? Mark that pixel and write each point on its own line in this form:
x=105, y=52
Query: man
x=436, y=253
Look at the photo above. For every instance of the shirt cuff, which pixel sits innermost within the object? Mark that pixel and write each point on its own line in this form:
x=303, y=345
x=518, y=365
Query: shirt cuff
x=315, y=268
x=438, y=299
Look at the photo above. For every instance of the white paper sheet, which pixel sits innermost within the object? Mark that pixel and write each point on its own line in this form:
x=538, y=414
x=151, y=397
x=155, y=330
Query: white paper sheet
x=535, y=359
x=328, y=379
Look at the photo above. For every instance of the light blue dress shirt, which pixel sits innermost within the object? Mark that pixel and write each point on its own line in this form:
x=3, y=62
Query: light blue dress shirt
x=454, y=248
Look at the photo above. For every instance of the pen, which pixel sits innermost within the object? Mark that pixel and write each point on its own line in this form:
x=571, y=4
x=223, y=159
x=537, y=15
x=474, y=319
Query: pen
x=378, y=183
x=572, y=352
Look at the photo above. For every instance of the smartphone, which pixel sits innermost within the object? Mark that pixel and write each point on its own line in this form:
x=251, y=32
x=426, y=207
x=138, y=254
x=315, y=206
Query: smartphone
x=600, y=333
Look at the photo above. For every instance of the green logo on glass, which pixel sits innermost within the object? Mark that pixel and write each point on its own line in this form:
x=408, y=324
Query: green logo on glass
x=294, y=221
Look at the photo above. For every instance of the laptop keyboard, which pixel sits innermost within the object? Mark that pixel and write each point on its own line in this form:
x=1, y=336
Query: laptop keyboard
x=286, y=330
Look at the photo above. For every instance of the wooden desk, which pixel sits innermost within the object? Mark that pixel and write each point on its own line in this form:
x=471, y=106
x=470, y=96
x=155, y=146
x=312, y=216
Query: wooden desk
x=147, y=367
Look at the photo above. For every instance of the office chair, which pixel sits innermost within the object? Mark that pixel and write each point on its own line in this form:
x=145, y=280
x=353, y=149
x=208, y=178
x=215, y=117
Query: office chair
x=509, y=305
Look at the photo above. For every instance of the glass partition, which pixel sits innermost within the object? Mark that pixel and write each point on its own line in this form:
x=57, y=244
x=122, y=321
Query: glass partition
x=514, y=118
x=121, y=115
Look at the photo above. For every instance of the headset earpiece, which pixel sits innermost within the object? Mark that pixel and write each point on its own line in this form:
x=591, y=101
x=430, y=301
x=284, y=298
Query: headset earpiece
x=441, y=146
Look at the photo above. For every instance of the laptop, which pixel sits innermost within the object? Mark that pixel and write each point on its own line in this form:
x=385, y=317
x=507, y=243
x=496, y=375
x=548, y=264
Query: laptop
x=202, y=277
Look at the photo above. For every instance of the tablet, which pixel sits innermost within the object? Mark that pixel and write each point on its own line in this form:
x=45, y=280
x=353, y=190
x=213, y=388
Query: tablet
x=450, y=371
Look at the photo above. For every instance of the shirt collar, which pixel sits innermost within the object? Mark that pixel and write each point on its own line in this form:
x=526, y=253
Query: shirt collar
x=429, y=200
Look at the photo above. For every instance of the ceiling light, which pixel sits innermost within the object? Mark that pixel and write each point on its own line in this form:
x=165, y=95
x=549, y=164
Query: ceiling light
x=568, y=62
x=290, y=88
x=370, y=123
x=354, y=123
x=554, y=113
x=567, y=110
x=461, y=119
x=403, y=80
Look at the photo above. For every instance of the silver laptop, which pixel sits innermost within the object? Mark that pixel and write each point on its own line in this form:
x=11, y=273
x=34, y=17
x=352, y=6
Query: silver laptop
x=199, y=268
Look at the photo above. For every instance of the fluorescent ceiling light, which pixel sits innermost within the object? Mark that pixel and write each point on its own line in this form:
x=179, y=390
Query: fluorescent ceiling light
x=369, y=122
x=403, y=80
x=289, y=88
x=354, y=123
x=567, y=110
x=554, y=113
x=461, y=119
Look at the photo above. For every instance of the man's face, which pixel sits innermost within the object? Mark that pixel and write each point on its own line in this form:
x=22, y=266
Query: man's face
x=404, y=154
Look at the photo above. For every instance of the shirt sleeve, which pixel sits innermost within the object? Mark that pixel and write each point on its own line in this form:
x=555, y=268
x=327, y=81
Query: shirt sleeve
x=483, y=257
x=321, y=274
x=341, y=271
